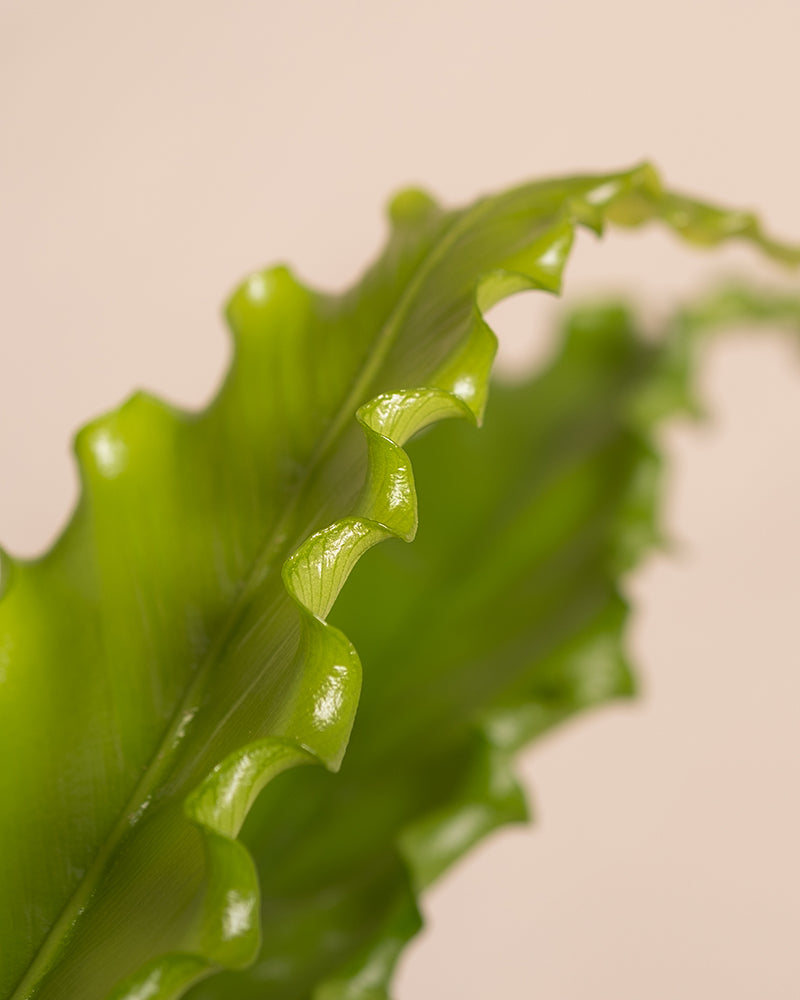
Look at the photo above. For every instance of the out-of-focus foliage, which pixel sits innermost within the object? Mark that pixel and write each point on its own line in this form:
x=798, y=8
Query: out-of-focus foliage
x=505, y=618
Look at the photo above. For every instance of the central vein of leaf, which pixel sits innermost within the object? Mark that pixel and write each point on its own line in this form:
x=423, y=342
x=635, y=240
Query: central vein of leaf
x=275, y=546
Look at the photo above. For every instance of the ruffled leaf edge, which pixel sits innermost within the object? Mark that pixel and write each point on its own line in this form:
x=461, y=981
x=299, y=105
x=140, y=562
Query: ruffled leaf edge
x=229, y=935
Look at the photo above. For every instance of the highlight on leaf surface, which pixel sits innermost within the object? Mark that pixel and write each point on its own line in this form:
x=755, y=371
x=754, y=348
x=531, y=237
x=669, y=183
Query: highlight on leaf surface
x=171, y=654
x=505, y=618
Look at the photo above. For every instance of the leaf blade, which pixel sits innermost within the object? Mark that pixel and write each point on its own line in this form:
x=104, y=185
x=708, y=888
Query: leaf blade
x=151, y=614
x=533, y=635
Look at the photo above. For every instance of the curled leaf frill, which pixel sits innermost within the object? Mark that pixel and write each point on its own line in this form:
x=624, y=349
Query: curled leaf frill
x=429, y=357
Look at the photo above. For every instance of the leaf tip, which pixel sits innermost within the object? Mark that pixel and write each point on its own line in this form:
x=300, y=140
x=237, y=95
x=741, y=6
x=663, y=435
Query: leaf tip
x=259, y=295
x=410, y=206
x=101, y=450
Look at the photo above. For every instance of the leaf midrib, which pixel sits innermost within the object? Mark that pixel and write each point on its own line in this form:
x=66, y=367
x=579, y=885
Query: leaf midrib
x=48, y=954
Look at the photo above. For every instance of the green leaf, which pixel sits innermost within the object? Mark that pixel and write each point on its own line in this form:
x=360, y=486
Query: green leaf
x=170, y=655
x=505, y=618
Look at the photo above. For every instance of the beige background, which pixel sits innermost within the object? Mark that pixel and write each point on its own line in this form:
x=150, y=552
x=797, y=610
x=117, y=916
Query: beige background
x=151, y=153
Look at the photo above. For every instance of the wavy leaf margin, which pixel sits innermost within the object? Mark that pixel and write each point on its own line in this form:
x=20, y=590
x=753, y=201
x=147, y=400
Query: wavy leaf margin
x=597, y=667
x=229, y=934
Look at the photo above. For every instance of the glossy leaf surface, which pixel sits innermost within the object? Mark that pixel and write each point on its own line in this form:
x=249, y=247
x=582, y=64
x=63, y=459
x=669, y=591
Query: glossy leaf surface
x=505, y=618
x=170, y=655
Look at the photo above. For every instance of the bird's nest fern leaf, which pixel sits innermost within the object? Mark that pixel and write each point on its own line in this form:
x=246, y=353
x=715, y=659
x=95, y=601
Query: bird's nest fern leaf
x=171, y=654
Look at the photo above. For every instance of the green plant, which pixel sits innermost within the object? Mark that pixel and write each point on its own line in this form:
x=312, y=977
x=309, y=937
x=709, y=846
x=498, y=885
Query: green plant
x=171, y=655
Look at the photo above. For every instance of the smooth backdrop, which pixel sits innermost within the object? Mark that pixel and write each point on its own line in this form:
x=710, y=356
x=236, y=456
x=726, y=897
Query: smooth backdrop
x=151, y=153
